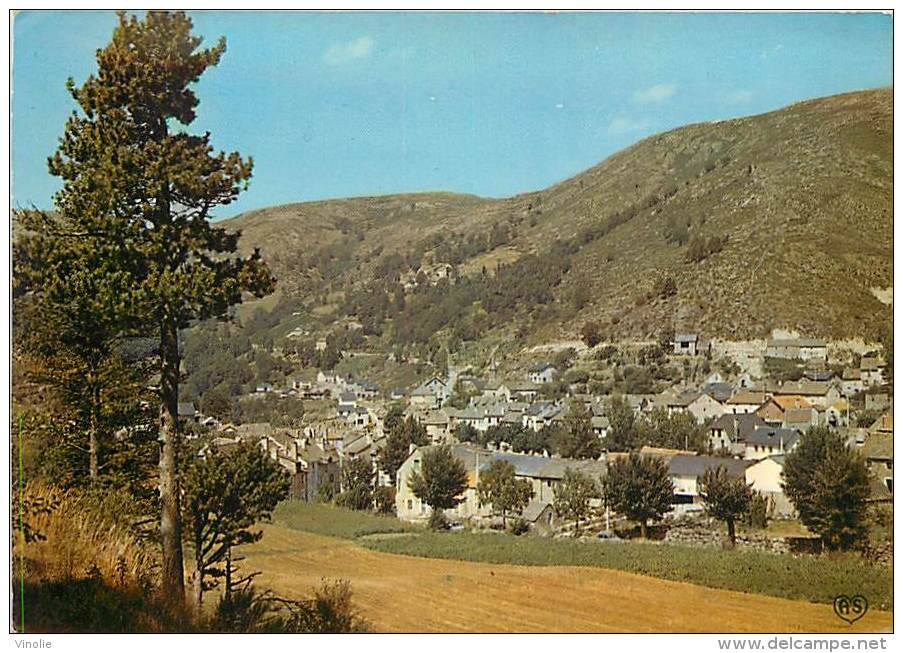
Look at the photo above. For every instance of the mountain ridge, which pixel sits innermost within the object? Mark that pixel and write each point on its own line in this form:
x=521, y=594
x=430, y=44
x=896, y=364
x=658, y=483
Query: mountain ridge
x=780, y=191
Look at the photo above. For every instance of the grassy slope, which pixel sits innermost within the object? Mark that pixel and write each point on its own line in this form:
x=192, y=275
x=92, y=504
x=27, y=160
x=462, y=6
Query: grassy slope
x=816, y=579
x=804, y=194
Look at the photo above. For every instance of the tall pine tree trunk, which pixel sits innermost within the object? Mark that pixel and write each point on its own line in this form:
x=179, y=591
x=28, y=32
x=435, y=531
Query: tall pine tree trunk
x=93, y=426
x=170, y=518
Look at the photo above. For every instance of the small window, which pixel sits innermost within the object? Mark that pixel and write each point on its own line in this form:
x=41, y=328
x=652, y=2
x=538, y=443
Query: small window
x=889, y=464
x=889, y=482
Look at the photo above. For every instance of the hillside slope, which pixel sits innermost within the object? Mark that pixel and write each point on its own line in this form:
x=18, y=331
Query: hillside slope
x=800, y=198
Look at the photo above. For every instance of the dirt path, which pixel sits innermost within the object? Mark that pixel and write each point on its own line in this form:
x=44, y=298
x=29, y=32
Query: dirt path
x=406, y=594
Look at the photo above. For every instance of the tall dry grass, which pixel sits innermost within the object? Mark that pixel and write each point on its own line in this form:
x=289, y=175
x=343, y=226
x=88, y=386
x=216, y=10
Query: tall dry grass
x=81, y=537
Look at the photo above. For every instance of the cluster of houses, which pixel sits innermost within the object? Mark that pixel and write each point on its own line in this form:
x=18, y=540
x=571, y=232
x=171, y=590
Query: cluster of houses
x=751, y=426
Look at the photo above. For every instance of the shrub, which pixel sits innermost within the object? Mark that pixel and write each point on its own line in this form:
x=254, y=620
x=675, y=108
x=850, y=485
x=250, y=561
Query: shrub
x=518, y=526
x=664, y=287
x=591, y=333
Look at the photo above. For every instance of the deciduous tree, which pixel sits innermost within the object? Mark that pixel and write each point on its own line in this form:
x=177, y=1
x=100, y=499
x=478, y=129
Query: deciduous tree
x=574, y=438
x=828, y=484
x=440, y=482
x=638, y=487
x=726, y=497
x=357, y=484
x=573, y=495
x=499, y=488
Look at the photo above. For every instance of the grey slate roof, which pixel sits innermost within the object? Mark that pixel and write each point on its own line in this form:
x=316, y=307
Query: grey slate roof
x=720, y=392
x=684, y=465
x=526, y=465
x=534, y=509
x=738, y=427
x=768, y=436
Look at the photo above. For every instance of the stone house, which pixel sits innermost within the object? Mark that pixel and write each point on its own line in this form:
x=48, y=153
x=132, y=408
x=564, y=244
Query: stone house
x=851, y=382
x=805, y=349
x=801, y=419
x=878, y=451
x=729, y=432
x=772, y=411
x=313, y=470
x=871, y=370
x=685, y=344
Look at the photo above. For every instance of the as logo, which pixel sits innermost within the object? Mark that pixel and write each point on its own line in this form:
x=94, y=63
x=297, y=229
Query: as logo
x=851, y=608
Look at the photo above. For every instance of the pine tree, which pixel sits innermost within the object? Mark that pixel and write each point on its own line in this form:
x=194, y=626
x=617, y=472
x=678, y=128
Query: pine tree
x=401, y=436
x=136, y=182
x=226, y=493
x=68, y=335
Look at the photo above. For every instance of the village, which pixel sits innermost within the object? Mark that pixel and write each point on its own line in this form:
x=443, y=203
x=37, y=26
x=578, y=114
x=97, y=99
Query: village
x=748, y=424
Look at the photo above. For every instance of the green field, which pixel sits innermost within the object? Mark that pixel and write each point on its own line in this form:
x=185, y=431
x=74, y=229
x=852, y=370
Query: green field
x=325, y=519
x=816, y=579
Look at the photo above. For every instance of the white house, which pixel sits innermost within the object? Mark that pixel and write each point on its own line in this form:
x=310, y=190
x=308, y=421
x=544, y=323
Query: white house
x=745, y=401
x=543, y=473
x=685, y=343
x=684, y=471
x=542, y=373
x=766, y=441
x=430, y=394
x=766, y=477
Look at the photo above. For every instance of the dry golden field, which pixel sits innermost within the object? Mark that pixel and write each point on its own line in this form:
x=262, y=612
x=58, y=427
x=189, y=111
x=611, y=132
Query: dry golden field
x=406, y=594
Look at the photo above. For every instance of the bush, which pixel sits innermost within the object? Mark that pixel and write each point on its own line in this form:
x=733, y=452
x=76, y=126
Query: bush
x=250, y=611
x=518, y=526
x=757, y=512
x=664, y=287
x=591, y=333
x=700, y=248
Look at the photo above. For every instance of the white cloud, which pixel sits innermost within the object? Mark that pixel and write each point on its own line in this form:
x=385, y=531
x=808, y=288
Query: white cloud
x=741, y=96
x=657, y=93
x=622, y=125
x=359, y=48
x=560, y=105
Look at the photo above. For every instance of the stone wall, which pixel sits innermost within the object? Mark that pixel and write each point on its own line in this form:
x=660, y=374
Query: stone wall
x=700, y=536
x=716, y=536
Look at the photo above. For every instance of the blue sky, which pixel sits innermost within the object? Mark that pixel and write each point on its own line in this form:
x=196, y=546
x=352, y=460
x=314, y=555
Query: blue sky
x=345, y=104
